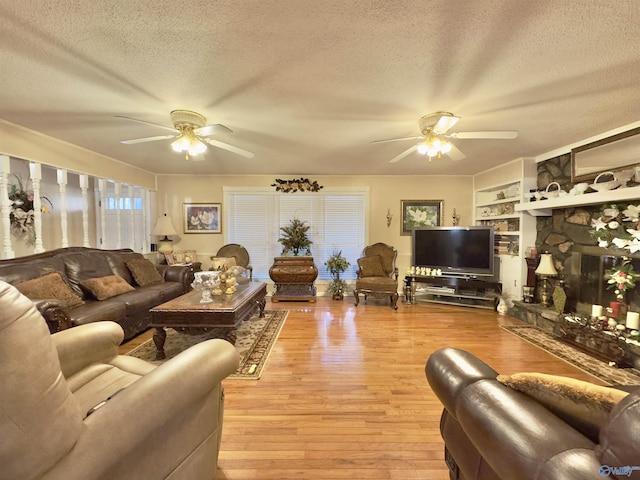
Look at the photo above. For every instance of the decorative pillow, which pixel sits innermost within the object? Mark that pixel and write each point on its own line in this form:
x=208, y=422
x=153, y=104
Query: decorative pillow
x=144, y=272
x=107, y=287
x=371, y=266
x=218, y=263
x=50, y=285
x=583, y=405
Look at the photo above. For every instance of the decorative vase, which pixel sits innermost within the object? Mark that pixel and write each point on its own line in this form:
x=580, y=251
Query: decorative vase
x=338, y=296
x=502, y=306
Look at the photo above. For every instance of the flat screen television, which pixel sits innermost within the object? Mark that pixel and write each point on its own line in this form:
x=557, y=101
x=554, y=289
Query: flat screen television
x=455, y=250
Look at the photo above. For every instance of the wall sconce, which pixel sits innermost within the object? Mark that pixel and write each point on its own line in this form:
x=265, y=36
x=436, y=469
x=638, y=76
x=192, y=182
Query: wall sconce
x=389, y=217
x=545, y=270
x=456, y=218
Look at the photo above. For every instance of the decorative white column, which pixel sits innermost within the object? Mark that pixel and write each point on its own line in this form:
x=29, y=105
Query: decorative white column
x=102, y=189
x=5, y=207
x=116, y=188
x=62, y=184
x=35, y=170
x=84, y=188
x=132, y=226
x=145, y=219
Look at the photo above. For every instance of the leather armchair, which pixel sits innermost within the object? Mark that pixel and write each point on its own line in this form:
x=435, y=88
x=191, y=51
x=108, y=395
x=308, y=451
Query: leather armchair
x=72, y=408
x=494, y=432
x=377, y=273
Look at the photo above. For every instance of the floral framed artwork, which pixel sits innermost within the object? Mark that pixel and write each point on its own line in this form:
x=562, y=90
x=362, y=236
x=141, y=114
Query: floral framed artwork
x=202, y=218
x=420, y=213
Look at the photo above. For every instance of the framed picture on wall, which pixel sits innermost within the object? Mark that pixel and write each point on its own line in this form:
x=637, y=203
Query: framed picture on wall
x=420, y=213
x=202, y=218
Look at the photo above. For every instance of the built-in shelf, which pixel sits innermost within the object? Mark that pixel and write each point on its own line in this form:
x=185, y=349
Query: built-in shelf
x=544, y=207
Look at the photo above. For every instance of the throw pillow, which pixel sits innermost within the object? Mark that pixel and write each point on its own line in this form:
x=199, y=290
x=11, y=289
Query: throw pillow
x=144, y=272
x=583, y=405
x=371, y=266
x=106, y=287
x=50, y=285
x=218, y=263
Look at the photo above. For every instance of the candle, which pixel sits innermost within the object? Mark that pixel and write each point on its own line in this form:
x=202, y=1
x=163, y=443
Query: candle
x=615, y=309
x=596, y=310
x=633, y=320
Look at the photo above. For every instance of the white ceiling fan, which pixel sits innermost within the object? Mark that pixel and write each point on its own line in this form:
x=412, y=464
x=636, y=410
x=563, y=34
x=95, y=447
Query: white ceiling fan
x=191, y=132
x=434, y=141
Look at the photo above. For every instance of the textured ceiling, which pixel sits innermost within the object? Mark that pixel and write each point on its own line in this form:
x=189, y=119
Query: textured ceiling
x=307, y=85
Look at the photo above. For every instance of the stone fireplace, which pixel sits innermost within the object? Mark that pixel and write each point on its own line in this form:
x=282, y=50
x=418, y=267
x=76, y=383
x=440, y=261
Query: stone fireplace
x=581, y=264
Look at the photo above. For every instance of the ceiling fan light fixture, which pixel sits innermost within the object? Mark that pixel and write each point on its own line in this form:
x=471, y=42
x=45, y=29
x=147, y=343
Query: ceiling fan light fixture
x=422, y=149
x=180, y=144
x=188, y=142
x=197, y=147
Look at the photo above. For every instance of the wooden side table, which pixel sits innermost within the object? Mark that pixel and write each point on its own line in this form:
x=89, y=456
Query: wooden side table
x=293, y=278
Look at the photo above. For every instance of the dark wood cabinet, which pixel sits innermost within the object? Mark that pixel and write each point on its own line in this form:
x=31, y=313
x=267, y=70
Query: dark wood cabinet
x=293, y=278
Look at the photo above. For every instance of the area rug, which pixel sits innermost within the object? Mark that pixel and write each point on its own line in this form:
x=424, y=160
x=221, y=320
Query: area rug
x=255, y=339
x=574, y=357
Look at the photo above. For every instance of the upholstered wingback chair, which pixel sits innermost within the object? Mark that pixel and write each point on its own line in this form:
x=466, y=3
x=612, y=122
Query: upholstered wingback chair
x=237, y=252
x=72, y=408
x=377, y=273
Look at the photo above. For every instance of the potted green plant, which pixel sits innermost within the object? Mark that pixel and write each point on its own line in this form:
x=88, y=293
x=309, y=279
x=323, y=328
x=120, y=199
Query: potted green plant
x=294, y=237
x=337, y=264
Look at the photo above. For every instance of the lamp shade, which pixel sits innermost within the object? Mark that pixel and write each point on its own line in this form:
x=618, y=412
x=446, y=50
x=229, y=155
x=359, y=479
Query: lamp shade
x=546, y=267
x=164, y=226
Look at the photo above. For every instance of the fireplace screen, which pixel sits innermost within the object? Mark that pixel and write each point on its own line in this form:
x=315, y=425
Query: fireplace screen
x=585, y=272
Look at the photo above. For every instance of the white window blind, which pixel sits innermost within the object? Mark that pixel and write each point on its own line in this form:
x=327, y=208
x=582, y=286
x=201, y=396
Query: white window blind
x=129, y=232
x=337, y=221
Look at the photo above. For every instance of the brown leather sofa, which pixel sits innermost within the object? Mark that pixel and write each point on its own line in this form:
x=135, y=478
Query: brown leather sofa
x=76, y=265
x=71, y=408
x=492, y=431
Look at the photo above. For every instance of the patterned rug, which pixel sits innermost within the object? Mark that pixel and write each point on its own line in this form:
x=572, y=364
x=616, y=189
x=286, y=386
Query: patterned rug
x=255, y=338
x=573, y=356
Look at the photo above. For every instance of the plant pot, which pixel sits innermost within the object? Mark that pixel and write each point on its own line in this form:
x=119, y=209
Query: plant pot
x=338, y=296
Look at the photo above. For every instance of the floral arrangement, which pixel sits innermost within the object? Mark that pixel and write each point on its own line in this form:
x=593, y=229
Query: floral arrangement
x=622, y=278
x=22, y=215
x=618, y=226
x=294, y=237
x=336, y=264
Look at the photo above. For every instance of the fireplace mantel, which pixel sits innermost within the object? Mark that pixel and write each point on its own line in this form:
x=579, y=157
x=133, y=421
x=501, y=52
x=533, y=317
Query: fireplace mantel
x=543, y=208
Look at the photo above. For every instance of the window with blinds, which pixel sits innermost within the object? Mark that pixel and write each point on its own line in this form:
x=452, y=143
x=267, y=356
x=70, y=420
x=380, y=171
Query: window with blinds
x=128, y=231
x=338, y=222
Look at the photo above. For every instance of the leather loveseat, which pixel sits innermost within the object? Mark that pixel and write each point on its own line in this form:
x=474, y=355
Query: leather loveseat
x=493, y=431
x=71, y=408
x=81, y=270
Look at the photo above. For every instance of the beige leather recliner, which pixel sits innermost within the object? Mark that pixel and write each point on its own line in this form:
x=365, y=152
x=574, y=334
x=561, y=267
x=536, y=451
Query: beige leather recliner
x=161, y=422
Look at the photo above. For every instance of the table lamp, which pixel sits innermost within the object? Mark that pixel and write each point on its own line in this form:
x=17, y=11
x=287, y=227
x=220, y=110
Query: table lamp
x=164, y=226
x=545, y=270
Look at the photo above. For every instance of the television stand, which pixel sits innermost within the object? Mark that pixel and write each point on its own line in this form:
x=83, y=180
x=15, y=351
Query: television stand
x=465, y=291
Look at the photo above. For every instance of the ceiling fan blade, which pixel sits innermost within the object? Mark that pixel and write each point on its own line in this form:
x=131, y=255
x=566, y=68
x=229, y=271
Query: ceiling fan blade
x=212, y=130
x=147, y=139
x=445, y=123
x=226, y=146
x=455, y=153
x=398, y=139
x=497, y=134
x=171, y=129
x=399, y=157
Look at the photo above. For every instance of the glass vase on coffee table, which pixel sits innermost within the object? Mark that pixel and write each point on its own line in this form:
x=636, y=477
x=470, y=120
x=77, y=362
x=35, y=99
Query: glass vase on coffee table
x=205, y=282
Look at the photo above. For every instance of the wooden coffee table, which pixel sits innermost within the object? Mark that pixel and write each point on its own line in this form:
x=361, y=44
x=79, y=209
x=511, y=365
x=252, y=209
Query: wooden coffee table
x=187, y=315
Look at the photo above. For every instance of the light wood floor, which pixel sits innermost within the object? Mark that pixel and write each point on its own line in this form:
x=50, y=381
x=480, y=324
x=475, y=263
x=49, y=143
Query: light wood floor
x=344, y=395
